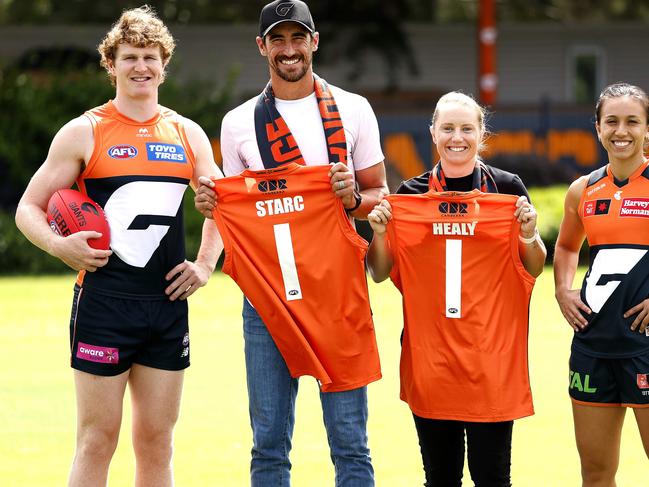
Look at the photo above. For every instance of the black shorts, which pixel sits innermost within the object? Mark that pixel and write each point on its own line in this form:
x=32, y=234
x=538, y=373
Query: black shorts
x=108, y=334
x=609, y=381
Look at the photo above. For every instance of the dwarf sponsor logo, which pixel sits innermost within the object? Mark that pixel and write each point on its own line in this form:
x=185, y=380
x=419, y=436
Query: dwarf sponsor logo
x=279, y=206
x=596, y=207
x=638, y=207
x=143, y=132
x=448, y=228
x=186, y=340
x=95, y=353
x=122, y=152
x=185, y=352
x=159, y=152
x=595, y=189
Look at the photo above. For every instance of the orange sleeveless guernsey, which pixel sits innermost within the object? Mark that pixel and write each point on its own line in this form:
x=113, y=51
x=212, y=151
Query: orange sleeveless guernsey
x=466, y=301
x=615, y=216
x=138, y=173
x=295, y=255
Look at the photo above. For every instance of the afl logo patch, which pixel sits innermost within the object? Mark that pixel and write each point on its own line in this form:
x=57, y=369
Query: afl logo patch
x=122, y=151
x=596, y=207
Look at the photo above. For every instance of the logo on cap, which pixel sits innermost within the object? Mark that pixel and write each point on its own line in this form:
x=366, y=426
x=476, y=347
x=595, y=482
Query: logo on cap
x=283, y=9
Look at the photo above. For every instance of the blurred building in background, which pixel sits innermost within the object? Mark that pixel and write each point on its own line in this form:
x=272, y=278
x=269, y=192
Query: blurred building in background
x=402, y=55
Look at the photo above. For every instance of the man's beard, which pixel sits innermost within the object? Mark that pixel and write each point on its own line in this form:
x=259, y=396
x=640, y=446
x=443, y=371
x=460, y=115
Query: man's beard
x=292, y=76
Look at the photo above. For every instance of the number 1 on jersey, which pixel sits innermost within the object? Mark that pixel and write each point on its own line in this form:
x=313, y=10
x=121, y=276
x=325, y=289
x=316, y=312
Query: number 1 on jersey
x=286, y=256
x=454, y=278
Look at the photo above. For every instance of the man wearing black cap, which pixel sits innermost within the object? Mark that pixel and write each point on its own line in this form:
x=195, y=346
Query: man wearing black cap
x=301, y=118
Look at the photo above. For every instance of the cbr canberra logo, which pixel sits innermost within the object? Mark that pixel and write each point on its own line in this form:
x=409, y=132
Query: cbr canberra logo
x=122, y=151
x=272, y=185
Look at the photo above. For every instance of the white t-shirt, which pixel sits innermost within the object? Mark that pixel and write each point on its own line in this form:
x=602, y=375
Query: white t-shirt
x=239, y=141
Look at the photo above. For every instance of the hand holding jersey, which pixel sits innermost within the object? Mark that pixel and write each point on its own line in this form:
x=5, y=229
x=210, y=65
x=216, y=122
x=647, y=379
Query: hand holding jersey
x=379, y=217
x=342, y=184
x=205, y=197
x=526, y=214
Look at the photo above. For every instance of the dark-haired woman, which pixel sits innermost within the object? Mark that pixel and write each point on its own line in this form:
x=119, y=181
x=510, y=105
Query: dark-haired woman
x=609, y=361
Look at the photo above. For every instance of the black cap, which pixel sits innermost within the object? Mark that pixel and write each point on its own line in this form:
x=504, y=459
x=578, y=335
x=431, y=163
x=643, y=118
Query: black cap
x=283, y=11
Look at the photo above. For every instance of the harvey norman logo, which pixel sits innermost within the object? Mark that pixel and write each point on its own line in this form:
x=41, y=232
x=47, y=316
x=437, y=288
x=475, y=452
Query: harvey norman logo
x=637, y=207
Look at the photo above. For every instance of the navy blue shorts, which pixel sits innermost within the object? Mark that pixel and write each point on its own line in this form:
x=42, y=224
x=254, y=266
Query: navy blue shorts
x=609, y=381
x=108, y=334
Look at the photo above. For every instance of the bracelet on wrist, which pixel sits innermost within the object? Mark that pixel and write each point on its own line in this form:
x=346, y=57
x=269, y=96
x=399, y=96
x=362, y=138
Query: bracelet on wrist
x=529, y=240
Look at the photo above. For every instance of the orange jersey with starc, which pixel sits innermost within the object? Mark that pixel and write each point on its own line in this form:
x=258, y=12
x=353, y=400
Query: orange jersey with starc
x=466, y=302
x=295, y=255
x=138, y=173
x=615, y=217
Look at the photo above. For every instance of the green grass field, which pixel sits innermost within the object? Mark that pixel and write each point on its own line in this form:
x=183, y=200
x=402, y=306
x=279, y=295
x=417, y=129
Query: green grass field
x=37, y=409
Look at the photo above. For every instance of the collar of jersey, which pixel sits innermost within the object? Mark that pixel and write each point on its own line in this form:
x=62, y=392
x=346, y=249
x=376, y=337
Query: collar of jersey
x=129, y=121
x=635, y=174
x=283, y=169
x=461, y=195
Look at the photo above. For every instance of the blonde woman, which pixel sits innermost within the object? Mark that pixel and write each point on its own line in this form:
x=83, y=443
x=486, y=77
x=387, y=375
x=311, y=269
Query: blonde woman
x=458, y=233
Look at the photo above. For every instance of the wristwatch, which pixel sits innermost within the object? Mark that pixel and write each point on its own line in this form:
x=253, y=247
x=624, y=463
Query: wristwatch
x=358, y=200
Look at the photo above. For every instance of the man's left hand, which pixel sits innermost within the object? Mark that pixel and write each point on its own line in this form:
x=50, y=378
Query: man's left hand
x=185, y=279
x=342, y=184
x=205, y=198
